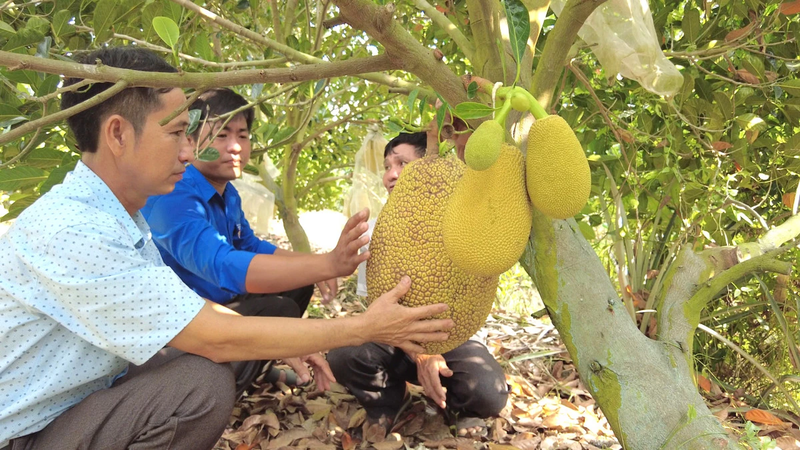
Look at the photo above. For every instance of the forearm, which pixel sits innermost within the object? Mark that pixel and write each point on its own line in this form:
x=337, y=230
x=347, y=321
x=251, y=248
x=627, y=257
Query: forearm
x=255, y=338
x=281, y=272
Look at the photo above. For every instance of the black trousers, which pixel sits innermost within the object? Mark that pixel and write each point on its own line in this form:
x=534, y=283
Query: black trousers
x=285, y=304
x=376, y=374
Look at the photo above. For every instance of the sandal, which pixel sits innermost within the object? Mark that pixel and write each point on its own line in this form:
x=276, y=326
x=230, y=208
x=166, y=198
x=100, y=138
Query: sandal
x=471, y=427
x=286, y=376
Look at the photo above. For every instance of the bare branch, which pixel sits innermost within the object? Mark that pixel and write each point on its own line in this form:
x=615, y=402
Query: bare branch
x=285, y=50
x=51, y=119
x=136, y=78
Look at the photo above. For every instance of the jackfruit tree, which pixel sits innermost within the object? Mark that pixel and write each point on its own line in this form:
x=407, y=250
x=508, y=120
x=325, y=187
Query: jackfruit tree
x=687, y=178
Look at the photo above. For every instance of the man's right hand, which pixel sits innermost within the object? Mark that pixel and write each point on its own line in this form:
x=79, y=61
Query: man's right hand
x=388, y=322
x=344, y=259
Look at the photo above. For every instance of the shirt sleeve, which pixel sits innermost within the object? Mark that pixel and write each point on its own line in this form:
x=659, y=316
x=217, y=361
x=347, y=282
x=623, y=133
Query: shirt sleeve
x=180, y=226
x=109, y=295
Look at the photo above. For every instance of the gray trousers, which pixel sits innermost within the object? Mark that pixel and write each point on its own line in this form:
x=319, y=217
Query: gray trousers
x=184, y=403
x=376, y=374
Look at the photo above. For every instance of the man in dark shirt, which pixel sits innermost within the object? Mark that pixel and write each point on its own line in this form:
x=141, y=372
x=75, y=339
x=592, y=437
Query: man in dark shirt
x=203, y=235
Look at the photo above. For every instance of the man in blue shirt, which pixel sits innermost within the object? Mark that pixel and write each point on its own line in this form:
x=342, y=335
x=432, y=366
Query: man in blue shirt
x=202, y=233
x=84, y=292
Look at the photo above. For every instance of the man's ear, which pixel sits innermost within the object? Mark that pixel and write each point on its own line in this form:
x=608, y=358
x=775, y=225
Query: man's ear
x=117, y=133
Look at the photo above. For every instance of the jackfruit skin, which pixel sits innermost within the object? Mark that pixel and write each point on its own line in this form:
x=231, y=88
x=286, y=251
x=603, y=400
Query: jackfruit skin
x=487, y=221
x=407, y=240
x=483, y=147
x=558, y=176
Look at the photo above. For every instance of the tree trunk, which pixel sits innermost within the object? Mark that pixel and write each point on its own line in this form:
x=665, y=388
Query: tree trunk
x=644, y=387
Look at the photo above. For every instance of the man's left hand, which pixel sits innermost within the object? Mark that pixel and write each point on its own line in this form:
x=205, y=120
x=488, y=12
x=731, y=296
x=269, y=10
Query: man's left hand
x=322, y=371
x=429, y=368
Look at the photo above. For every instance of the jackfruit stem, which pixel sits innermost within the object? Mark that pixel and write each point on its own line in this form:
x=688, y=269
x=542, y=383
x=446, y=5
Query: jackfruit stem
x=536, y=108
x=501, y=115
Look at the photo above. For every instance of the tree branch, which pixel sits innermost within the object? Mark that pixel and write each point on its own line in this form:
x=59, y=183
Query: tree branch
x=51, y=119
x=378, y=22
x=195, y=80
x=559, y=41
x=285, y=50
x=449, y=27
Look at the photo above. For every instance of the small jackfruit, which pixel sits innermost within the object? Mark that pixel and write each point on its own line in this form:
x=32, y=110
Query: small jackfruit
x=483, y=147
x=487, y=221
x=520, y=102
x=407, y=240
x=558, y=176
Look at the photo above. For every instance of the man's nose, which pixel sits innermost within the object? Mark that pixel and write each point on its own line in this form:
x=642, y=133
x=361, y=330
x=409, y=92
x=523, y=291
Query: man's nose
x=186, y=152
x=234, y=147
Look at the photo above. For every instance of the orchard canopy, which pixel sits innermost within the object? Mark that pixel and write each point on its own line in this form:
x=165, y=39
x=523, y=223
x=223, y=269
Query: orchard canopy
x=680, y=267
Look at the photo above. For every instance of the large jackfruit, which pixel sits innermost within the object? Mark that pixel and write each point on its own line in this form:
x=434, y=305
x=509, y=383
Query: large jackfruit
x=488, y=219
x=407, y=240
x=558, y=174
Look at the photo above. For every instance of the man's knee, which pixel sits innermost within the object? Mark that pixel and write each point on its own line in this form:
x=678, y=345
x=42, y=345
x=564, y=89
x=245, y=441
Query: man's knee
x=211, y=388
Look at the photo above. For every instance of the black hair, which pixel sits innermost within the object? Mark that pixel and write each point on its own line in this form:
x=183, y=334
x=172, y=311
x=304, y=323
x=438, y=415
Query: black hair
x=418, y=140
x=218, y=101
x=134, y=104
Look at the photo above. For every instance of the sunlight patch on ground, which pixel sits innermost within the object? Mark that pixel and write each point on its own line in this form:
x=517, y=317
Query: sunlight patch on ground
x=322, y=228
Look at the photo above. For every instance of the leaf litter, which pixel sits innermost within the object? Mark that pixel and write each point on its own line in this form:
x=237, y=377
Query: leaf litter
x=548, y=408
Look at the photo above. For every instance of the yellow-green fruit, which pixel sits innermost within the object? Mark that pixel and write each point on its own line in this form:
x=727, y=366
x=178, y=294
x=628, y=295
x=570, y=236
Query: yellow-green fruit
x=483, y=147
x=487, y=221
x=407, y=240
x=558, y=176
x=520, y=103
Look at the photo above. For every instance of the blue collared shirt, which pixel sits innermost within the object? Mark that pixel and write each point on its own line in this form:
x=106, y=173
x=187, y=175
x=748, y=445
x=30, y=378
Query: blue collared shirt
x=83, y=291
x=204, y=236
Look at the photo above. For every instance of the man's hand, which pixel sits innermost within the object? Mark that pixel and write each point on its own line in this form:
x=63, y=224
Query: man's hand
x=328, y=289
x=344, y=259
x=322, y=371
x=388, y=322
x=429, y=368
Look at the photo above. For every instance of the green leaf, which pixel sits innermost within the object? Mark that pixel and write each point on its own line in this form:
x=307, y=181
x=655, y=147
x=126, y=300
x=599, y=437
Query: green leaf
x=23, y=38
x=472, y=90
x=48, y=85
x=519, y=29
x=194, y=120
x=440, y=115
x=691, y=24
x=103, y=21
x=791, y=86
x=167, y=30
x=412, y=97
x=208, y=154
x=57, y=176
x=61, y=25
x=44, y=158
x=202, y=47
x=6, y=30
x=20, y=177
x=18, y=206
x=472, y=110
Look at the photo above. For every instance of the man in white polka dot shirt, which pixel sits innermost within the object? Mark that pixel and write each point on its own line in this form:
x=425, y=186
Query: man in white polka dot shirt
x=84, y=292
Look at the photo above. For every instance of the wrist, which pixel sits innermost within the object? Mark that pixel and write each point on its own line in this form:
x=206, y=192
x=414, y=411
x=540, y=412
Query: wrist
x=360, y=331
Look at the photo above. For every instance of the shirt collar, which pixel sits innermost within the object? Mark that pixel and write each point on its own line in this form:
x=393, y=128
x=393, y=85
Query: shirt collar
x=207, y=191
x=108, y=202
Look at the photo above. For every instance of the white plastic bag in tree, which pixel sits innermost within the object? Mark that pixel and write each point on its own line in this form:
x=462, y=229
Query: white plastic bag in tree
x=258, y=203
x=623, y=38
x=367, y=190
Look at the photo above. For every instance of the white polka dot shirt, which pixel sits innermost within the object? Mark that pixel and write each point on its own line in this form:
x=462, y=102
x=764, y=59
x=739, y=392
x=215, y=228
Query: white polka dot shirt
x=83, y=292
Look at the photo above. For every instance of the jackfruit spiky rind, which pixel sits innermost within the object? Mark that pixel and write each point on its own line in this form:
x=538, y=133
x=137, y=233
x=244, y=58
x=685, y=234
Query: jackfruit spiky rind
x=407, y=240
x=483, y=147
x=487, y=221
x=558, y=176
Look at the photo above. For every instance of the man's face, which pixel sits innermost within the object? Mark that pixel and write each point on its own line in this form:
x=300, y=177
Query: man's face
x=233, y=145
x=161, y=152
x=394, y=162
